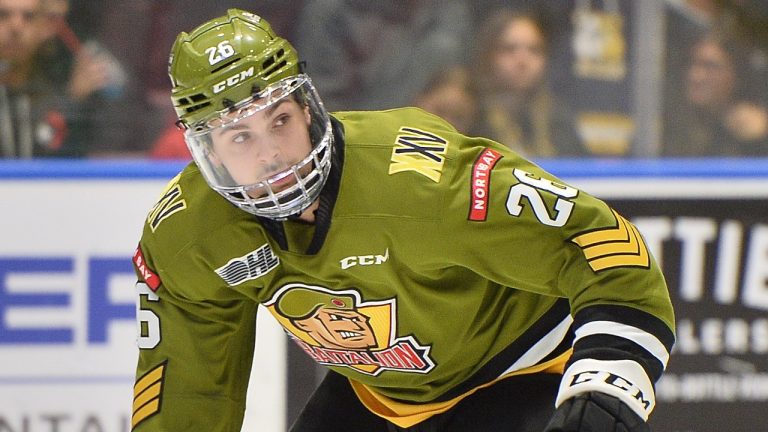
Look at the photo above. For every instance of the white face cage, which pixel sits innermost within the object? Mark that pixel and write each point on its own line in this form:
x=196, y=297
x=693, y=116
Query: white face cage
x=305, y=178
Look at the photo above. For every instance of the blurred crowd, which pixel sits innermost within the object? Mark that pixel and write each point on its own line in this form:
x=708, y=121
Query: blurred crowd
x=548, y=78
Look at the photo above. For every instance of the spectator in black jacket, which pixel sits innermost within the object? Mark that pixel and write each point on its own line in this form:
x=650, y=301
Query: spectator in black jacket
x=54, y=90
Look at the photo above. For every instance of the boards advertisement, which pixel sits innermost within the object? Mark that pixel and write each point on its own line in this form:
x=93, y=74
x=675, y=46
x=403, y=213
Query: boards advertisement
x=67, y=300
x=67, y=296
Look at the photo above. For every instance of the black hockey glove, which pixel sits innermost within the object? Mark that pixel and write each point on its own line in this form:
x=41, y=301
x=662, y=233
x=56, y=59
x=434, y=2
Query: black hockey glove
x=595, y=412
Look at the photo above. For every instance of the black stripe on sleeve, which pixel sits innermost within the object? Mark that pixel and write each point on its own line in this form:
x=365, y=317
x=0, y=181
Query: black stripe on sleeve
x=615, y=347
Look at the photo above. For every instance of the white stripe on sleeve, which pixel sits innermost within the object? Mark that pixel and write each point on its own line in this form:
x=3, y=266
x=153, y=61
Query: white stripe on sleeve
x=646, y=340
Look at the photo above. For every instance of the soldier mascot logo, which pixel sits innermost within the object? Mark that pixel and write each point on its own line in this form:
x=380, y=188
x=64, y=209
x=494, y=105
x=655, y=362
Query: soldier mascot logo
x=338, y=328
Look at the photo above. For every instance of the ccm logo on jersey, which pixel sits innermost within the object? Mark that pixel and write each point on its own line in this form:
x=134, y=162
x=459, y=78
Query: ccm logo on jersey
x=481, y=184
x=364, y=260
x=232, y=80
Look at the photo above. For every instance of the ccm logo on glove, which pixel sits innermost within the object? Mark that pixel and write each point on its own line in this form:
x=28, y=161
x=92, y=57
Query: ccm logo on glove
x=614, y=380
x=623, y=379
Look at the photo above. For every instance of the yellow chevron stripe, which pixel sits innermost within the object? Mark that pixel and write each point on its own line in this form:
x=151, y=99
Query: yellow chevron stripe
x=145, y=411
x=147, y=380
x=620, y=233
x=151, y=393
x=622, y=246
x=626, y=244
x=638, y=258
x=146, y=395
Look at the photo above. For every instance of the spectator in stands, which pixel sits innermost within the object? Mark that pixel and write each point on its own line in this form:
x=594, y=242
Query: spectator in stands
x=170, y=145
x=153, y=26
x=450, y=95
x=721, y=114
x=53, y=90
x=366, y=54
x=20, y=37
x=687, y=21
x=517, y=106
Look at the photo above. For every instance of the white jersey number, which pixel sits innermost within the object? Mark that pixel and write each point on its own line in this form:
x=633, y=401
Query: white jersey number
x=147, y=321
x=531, y=187
x=220, y=52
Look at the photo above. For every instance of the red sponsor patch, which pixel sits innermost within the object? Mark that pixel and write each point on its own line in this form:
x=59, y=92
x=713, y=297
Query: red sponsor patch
x=481, y=183
x=151, y=278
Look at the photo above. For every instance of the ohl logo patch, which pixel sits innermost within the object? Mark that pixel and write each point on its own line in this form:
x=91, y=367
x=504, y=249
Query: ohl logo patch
x=337, y=328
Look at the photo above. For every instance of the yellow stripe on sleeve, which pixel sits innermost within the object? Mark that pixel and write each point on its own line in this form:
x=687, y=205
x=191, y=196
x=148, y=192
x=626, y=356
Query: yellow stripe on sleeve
x=147, y=393
x=145, y=411
x=619, y=246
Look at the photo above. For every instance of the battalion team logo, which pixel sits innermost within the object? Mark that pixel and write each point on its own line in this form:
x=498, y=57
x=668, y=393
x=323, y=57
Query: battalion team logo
x=337, y=328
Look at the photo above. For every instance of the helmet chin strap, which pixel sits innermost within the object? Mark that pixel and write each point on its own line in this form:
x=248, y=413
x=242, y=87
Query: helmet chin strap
x=228, y=104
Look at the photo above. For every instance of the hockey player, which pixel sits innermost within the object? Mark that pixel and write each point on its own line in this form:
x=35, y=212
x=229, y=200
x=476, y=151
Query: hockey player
x=446, y=282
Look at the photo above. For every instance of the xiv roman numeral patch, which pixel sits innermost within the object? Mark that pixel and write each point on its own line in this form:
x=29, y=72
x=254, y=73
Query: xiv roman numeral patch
x=170, y=202
x=419, y=151
x=621, y=246
x=147, y=393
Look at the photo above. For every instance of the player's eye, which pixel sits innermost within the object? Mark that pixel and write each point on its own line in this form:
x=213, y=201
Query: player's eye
x=241, y=138
x=281, y=120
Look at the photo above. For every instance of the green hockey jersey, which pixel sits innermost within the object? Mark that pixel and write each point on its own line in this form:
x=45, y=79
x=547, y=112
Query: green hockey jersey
x=441, y=263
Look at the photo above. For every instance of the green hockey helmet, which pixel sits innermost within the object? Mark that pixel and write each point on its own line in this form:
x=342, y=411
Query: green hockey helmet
x=255, y=125
x=223, y=61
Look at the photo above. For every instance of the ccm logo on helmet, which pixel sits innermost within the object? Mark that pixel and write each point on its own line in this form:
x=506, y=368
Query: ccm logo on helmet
x=232, y=80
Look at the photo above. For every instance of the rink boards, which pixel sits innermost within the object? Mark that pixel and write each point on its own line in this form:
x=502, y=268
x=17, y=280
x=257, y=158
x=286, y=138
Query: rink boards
x=67, y=328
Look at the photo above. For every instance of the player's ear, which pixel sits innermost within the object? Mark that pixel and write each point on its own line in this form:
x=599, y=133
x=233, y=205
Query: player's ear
x=214, y=158
x=307, y=116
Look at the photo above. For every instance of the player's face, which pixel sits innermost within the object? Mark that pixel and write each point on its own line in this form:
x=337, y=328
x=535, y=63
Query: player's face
x=20, y=26
x=520, y=58
x=342, y=329
x=264, y=144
